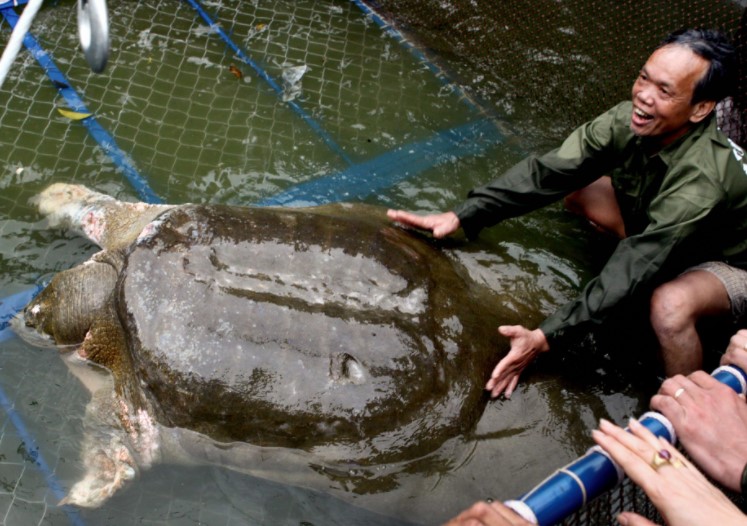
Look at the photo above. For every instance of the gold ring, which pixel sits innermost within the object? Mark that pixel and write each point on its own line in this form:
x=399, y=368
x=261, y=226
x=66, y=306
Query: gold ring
x=664, y=457
x=679, y=392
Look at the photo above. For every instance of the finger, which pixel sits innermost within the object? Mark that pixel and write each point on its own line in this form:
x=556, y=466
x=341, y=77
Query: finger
x=639, y=430
x=499, y=388
x=505, y=366
x=633, y=438
x=395, y=215
x=511, y=386
x=503, y=374
x=441, y=231
x=628, y=518
x=697, y=388
x=736, y=351
x=507, y=513
x=679, y=386
x=493, y=380
x=444, y=225
x=631, y=453
x=724, y=358
x=670, y=385
x=480, y=513
x=408, y=218
x=629, y=460
x=509, y=331
x=703, y=379
x=496, y=375
x=669, y=407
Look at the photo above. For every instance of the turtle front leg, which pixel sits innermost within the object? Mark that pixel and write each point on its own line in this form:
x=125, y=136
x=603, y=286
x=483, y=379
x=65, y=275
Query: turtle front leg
x=109, y=223
x=107, y=471
x=118, y=442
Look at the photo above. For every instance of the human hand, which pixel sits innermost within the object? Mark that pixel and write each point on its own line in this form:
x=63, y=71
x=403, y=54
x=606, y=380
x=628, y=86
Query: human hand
x=736, y=351
x=679, y=491
x=525, y=346
x=440, y=224
x=488, y=514
x=710, y=420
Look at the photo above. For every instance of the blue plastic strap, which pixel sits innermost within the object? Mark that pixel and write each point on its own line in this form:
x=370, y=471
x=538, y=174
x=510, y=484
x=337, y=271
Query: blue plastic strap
x=38, y=458
x=106, y=141
x=10, y=306
x=315, y=126
x=414, y=51
x=13, y=3
x=394, y=166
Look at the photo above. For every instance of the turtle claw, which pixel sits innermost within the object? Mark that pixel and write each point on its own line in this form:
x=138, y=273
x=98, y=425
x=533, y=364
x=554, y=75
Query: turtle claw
x=106, y=474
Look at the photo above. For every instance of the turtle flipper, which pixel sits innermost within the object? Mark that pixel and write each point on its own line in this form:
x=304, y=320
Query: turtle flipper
x=107, y=471
x=118, y=442
x=109, y=223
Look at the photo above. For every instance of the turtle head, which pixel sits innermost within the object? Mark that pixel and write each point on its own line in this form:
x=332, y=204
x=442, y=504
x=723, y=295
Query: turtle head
x=74, y=299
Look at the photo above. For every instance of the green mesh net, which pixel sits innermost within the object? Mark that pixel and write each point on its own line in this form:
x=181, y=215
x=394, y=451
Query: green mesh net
x=203, y=124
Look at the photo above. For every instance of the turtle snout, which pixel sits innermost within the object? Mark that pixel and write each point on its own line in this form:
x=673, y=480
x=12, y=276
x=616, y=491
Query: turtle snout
x=53, y=199
x=32, y=315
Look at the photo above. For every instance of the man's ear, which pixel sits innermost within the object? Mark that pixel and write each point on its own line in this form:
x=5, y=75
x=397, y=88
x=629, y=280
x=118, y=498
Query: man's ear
x=701, y=110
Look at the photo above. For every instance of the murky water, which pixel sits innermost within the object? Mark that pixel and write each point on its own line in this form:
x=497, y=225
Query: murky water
x=368, y=120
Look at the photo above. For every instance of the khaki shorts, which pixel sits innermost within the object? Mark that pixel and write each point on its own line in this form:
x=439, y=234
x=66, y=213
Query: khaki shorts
x=735, y=281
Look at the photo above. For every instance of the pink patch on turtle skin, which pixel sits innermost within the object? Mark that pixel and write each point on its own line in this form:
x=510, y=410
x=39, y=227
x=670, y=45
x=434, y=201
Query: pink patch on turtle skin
x=94, y=225
x=142, y=432
x=139, y=207
x=82, y=349
x=149, y=230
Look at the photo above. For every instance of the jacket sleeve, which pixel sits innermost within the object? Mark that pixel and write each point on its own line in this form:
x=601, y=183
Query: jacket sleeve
x=538, y=181
x=681, y=210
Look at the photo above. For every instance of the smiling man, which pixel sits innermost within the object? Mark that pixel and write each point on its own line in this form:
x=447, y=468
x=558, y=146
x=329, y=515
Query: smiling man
x=657, y=173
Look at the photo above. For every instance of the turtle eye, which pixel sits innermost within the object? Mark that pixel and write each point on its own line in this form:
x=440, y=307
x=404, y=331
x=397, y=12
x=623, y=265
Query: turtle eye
x=344, y=368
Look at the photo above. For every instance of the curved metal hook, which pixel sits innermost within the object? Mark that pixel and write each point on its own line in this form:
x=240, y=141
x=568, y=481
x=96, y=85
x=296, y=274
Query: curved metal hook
x=93, y=30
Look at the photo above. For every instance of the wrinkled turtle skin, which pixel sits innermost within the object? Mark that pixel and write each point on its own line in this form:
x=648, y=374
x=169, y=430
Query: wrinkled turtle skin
x=317, y=329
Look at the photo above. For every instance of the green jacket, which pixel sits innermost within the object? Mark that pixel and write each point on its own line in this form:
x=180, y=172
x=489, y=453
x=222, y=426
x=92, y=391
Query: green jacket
x=684, y=205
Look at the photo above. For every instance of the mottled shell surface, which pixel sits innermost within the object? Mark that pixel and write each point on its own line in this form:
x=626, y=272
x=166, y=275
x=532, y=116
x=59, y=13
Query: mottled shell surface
x=305, y=328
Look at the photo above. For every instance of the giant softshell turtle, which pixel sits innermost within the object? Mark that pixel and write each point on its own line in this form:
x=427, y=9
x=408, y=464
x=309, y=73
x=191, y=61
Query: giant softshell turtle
x=324, y=331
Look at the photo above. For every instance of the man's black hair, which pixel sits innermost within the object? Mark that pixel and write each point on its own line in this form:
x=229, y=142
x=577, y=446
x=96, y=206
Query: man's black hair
x=714, y=46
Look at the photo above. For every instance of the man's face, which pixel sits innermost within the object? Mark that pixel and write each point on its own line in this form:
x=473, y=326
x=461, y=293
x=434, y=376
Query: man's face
x=663, y=91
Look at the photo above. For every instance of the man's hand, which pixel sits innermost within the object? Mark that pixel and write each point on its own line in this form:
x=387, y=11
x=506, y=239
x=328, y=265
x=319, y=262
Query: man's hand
x=710, y=420
x=736, y=352
x=440, y=224
x=488, y=514
x=525, y=346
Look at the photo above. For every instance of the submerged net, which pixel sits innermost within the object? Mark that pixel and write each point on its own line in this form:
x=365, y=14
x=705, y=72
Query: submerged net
x=566, y=61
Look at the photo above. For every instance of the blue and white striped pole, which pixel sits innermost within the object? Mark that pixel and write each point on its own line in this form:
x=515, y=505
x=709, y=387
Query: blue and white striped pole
x=573, y=486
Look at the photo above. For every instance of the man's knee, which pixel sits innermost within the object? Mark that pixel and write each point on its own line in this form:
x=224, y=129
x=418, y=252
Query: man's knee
x=687, y=298
x=671, y=308
x=573, y=203
x=597, y=203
